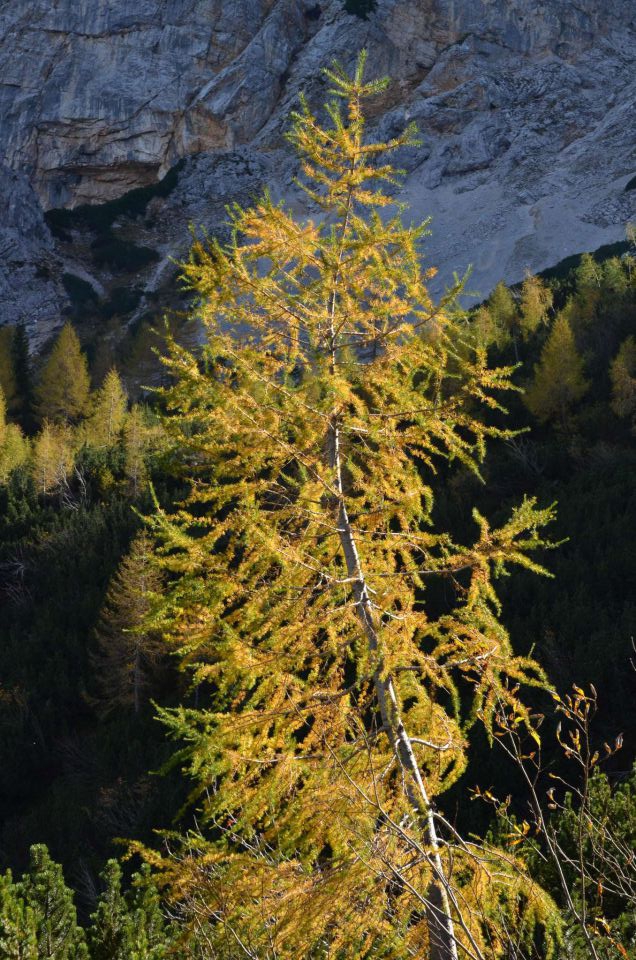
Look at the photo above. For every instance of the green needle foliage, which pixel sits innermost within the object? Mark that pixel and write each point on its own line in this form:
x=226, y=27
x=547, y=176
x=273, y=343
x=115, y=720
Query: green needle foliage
x=302, y=572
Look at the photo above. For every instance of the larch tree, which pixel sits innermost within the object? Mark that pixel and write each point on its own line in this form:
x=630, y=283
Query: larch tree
x=503, y=311
x=623, y=377
x=14, y=448
x=298, y=571
x=128, y=653
x=109, y=411
x=64, y=387
x=53, y=458
x=536, y=301
x=559, y=380
x=137, y=439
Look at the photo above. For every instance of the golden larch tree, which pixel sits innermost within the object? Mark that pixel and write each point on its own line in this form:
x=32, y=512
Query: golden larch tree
x=64, y=387
x=536, y=301
x=106, y=423
x=559, y=380
x=298, y=570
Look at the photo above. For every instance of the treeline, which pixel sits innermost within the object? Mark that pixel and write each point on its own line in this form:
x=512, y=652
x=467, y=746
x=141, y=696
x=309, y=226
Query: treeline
x=574, y=339
x=77, y=734
x=55, y=428
x=38, y=918
x=80, y=662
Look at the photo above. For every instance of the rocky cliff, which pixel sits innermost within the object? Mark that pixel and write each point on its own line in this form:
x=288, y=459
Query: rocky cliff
x=526, y=111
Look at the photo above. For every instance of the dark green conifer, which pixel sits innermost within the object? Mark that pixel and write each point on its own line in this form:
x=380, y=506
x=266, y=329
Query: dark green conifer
x=23, y=376
x=18, y=934
x=59, y=937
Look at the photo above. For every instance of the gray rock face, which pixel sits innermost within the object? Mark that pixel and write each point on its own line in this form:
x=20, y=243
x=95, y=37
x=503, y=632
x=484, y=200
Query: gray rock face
x=526, y=111
x=28, y=265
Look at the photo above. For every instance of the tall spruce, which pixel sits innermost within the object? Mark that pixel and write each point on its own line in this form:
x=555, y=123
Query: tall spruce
x=64, y=387
x=338, y=696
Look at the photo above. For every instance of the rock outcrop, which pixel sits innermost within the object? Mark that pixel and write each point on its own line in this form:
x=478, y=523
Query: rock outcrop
x=526, y=112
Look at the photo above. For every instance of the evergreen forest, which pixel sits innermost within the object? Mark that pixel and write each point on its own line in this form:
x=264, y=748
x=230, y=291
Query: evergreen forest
x=321, y=645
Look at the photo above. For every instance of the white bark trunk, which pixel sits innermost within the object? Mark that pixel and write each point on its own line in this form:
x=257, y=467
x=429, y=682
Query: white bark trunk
x=443, y=945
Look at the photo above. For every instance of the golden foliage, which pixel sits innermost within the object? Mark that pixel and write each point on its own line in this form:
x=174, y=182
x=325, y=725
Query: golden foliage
x=299, y=566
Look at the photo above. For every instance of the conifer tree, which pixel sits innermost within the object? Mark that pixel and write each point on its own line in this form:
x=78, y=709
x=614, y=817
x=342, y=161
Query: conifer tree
x=503, y=310
x=23, y=379
x=53, y=458
x=110, y=932
x=109, y=412
x=59, y=937
x=3, y=417
x=18, y=932
x=131, y=926
x=623, y=377
x=128, y=652
x=64, y=387
x=558, y=378
x=298, y=571
x=136, y=439
x=14, y=449
x=536, y=300
x=8, y=383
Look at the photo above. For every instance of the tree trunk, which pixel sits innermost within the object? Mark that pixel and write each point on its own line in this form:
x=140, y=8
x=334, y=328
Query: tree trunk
x=443, y=945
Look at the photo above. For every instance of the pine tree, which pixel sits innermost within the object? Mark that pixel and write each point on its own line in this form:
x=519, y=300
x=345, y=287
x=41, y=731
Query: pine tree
x=18, y=931
x=536, y=301
x=109, y=413
x=153, y=936
x=623, y=377
x=559, y=382
x=59, y=937
x=128, y=654
x=298, y=571
x=110, y=932
x=64, y=387
x=132, y=926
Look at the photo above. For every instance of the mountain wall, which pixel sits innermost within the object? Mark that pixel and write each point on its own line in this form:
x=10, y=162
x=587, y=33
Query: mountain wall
x=526, y=111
